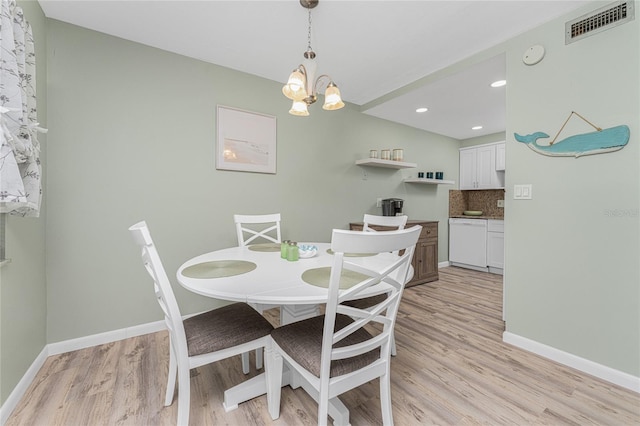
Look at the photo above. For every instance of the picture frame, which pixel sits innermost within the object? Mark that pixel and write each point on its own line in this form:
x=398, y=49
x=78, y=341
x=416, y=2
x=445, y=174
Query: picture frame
x=246, y=141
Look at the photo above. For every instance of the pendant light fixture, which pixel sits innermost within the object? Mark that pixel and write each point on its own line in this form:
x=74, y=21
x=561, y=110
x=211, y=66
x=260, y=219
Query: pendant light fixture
x=302, y=86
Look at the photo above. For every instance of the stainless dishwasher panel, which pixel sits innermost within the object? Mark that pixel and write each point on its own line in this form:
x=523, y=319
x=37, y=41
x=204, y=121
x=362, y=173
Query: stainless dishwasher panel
x=468, y=243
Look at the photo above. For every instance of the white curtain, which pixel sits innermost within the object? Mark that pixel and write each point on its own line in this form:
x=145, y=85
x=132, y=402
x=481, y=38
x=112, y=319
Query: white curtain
x=20, y=169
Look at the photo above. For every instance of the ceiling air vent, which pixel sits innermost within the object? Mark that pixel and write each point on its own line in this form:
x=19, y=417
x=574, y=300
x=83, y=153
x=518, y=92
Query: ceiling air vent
x=599, y=20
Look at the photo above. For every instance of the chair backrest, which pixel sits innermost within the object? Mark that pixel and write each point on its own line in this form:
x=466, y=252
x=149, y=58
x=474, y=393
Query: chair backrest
x=398, y=222
x=162, y=287
x=265, y=226
x=395, y=274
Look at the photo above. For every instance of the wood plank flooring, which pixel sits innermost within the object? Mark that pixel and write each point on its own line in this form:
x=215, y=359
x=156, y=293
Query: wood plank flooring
x=451, y=369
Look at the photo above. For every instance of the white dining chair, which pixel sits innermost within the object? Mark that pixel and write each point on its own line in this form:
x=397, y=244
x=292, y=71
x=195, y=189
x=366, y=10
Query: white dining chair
x=398, y=222
x=249, y=229
x=334, y=353
x=201, y=339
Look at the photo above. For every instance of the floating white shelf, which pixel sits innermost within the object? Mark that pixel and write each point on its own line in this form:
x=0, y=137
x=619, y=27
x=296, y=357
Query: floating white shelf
x=430, y=181
x=389, y=164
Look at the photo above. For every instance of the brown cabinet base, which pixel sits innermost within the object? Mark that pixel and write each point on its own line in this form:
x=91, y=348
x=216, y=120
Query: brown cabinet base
x=425, y=258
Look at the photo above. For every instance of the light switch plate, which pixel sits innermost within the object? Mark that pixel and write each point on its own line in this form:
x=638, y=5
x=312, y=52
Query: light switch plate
x=522, y=192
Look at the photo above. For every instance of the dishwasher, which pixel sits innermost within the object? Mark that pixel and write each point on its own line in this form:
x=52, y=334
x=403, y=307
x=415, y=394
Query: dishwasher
x=468, y=243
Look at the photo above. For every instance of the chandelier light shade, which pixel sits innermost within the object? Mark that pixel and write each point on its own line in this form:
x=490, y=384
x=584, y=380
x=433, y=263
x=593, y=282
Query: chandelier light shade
x=332, y=99
x=302, y=85
x=295, y=88
x=299, y=108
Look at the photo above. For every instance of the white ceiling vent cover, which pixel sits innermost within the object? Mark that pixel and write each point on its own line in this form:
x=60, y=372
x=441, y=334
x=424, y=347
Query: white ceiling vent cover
x=599, y=20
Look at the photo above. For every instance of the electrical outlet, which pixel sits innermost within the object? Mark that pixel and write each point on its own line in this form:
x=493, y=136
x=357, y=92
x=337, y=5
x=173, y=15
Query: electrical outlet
x=501, y=203
x=379, y=202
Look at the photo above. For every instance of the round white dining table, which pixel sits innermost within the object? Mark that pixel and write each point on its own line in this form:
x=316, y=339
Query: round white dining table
x=273, y=281
x=258, y=275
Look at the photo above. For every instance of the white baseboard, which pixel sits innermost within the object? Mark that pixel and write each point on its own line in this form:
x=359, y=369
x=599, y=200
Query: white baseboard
x=102, y=338
x=22, y=386
x=598, y=370
x=443, y=264
x=68, y=346
x=475, y=268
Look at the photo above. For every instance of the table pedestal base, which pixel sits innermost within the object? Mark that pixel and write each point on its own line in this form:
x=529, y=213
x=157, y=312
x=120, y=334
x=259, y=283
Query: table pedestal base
x=257, y=386
x=249, y=389
x=293, y=313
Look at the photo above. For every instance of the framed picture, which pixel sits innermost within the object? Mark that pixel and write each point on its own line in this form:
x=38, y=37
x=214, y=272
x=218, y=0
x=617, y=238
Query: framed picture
x=246, y=141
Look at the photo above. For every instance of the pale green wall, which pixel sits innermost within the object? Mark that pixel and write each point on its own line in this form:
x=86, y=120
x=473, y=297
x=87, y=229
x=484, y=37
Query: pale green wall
x=22, y=282
x=494, y=137
x=133, y=135
x=572, y=277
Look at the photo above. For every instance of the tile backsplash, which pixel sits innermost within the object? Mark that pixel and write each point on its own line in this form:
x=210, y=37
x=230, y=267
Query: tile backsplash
x=485, y=200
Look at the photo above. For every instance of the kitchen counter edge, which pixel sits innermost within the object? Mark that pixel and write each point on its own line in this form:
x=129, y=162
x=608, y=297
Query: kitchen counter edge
x=476, y=217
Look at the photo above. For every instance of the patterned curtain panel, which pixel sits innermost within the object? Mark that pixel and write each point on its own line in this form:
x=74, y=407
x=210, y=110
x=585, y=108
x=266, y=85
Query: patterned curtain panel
x=20, y=169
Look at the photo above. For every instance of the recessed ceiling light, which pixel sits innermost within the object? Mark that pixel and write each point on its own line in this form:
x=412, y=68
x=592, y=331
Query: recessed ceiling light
x=499, y=83
x=422, y=109
x=476, y=128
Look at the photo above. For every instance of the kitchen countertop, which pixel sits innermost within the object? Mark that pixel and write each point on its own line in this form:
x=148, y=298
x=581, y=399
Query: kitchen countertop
x=476, y=217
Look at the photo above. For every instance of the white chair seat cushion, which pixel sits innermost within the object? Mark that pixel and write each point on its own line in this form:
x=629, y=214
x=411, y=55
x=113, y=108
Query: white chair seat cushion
x=213, y=331
x=302, y=340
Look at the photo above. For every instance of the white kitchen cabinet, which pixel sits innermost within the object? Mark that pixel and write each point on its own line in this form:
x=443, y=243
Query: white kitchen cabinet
x=478, y=168
x=468, y=168
x=477, y=244
x=495, y=246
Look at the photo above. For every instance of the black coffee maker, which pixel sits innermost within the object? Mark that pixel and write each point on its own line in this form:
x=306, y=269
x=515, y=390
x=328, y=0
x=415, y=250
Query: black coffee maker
x=392, y=206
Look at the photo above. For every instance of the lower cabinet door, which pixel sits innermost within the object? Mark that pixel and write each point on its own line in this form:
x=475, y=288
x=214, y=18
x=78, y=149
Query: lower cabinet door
x=495, y=249
x=425, y=263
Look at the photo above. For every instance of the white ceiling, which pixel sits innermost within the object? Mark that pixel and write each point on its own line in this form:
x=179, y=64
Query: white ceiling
x=372, y=49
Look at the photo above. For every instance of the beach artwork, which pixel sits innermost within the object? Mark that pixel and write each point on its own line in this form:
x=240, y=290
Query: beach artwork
x=246, y=141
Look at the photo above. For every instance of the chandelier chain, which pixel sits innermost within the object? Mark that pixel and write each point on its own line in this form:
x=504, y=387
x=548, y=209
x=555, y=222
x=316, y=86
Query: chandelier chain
x=309, y=32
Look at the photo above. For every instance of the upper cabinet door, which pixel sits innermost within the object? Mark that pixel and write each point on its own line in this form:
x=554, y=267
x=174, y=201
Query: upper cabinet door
x=467, y=169
x=486, y=172
x=478, y=168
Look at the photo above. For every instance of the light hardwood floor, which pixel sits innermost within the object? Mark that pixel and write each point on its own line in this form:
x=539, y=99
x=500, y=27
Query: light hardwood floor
x=451, y=368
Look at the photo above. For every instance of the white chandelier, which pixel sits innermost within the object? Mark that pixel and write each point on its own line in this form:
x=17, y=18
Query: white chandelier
x=302, y=86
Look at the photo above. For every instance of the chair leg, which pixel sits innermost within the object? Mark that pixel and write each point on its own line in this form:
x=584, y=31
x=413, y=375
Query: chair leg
x=385, y=398
x=258, y=358
x=273, y=372
x=245, y=363
x=171, y=378
x=323, y=406
x=184, y=395
x=393, y=344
